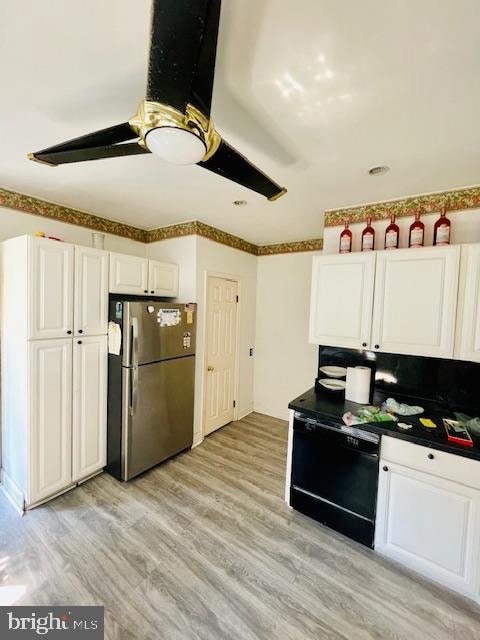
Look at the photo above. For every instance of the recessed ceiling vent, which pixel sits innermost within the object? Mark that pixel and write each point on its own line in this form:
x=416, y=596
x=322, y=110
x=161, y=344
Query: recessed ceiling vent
x=378, y=171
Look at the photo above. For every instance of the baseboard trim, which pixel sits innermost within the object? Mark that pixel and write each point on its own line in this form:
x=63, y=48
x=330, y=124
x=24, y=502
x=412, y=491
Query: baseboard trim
x=197, y=439
x=12, y=492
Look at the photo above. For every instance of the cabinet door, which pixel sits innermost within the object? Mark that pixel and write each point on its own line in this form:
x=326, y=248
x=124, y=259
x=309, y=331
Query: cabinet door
x=50, y=288
x=128, y=274
x=341, y=300
x=91, y=292
x=415, y=301
x=89, y=406
x=470, y=323
x=50, y=417
x=429, y=524
x=162, y=279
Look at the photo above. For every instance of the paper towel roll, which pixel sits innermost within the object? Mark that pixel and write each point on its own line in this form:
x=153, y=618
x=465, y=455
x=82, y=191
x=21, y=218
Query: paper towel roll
x=357, y=387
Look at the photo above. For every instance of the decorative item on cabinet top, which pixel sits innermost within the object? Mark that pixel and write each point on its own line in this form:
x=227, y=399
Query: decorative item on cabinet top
x=455, y=200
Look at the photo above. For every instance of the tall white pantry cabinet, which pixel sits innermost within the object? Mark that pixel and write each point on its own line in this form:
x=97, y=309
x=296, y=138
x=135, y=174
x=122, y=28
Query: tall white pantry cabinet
x=54, y=314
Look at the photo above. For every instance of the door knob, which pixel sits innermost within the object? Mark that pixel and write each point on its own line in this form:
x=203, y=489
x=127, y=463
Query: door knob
x=210, y=368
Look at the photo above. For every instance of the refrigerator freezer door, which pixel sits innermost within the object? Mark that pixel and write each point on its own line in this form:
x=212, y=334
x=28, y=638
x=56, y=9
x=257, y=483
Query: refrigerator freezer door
x=159, y=423
x=154, y=331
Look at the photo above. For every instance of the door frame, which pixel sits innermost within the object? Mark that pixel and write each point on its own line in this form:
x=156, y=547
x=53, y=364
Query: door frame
x=238, y=280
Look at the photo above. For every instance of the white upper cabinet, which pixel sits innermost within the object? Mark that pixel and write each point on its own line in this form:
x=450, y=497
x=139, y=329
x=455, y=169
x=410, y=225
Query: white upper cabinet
x=91, y=292
x=469, y=301
x=415, y=301
x=162, y=279
x=128, y=274
x=50, y=288
x=341, y=300
x=89, y=429
x=139, y=276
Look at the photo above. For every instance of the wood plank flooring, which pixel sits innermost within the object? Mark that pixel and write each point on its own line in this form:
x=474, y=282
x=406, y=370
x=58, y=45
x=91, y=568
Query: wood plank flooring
x=203, y=547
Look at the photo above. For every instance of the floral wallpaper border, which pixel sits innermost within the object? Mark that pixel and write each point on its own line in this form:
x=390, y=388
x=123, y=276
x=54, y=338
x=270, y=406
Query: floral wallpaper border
x=455, y=200
x=290, y=247
x=43, y=208
x=29, y=204
x=206, y=231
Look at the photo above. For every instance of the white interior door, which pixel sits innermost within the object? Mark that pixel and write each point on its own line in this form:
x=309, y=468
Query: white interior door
x=341, y=300
x=221, y=351
x=50, y=417
x=91, y=292
x=89, y=406
x=415, y=301
x=50, y=289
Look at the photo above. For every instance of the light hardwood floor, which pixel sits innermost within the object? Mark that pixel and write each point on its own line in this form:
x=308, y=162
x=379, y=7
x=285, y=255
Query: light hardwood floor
x=203, y=547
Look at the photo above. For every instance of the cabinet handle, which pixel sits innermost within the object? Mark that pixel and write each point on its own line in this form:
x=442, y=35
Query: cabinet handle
x=152, y=291
x=377, y=346
x=431, y=456
x=69, y=333
x=79, y=342
x=385, y=468
x=80, y=331
x=145, y=291
x=364, y=344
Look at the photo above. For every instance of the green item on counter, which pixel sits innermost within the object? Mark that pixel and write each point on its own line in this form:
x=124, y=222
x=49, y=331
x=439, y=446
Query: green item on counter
x=367, y=414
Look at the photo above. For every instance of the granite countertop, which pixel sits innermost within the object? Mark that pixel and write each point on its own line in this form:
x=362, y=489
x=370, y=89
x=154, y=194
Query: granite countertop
x=333, y=404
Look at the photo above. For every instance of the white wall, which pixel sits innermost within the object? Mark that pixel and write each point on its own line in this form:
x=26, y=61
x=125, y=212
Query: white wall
x=181, y=251
x=196, y=257
x=16, y=223
x=285, y=364
x=465, y=228
x=217, y=258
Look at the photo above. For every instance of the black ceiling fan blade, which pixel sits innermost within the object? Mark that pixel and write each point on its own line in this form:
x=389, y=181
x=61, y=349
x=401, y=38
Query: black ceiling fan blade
x=227, y=162
x=177, y=32
x=54, y=157
x=202, y=87
x=110, y=135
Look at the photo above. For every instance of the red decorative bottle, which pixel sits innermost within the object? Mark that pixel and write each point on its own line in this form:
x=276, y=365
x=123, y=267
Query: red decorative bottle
x=416, y=236
x=392, y=234
x=441, y=230
x=346, y=239
x=368, y=236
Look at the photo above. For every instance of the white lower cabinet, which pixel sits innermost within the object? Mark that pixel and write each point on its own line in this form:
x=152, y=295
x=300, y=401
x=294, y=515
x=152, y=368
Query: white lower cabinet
x=68, y=414
x=50, y=418
x=431, y=524
x=89, y=437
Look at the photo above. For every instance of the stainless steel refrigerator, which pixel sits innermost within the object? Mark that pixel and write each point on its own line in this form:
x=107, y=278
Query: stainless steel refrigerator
x=150, y=384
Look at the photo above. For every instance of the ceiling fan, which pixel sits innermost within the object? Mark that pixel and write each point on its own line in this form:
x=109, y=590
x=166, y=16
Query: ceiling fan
x=173, y=121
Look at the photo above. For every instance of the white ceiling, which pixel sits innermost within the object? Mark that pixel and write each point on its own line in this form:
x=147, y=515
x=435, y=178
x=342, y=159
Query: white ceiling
x=313, y=91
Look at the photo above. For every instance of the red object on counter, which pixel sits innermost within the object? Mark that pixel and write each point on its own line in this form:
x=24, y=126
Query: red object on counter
x=416, y=236
x=392, y=234
x=442, y=228
x=346, y=239
x=368, y=236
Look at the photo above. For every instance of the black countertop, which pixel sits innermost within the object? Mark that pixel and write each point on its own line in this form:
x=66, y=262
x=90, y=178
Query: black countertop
x=333, y=404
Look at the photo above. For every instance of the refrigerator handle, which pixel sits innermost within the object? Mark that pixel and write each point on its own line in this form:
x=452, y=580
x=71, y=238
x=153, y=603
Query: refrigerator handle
x=134, y=381
x=134, y=345
x=133, y=391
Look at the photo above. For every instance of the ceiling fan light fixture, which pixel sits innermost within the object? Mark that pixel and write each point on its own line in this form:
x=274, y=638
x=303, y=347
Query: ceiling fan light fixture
x=176, y=146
